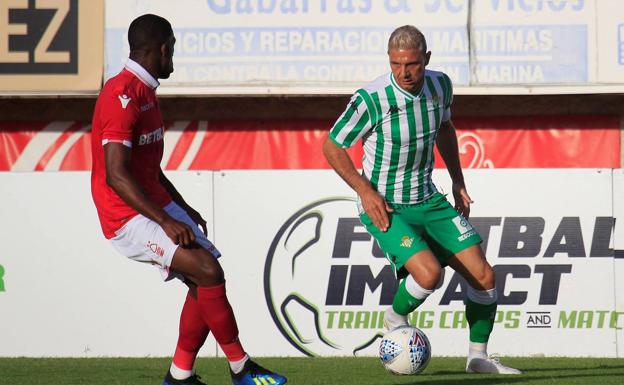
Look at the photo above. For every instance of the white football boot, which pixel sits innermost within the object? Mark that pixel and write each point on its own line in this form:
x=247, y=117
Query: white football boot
x=491, y=364
x=392, y=320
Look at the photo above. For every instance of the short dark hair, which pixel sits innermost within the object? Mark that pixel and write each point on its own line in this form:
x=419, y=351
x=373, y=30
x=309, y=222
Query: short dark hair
x=147, y=31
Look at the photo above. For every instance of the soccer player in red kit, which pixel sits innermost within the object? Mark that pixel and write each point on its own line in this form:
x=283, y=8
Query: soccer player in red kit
x=145, y=217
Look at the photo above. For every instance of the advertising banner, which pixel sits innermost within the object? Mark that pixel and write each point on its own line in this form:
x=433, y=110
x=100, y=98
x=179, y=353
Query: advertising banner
x=509, y=142
x=326, y=283
x=618, y=246
x=331, y=46
x=303, y=275
x=51, y=46
x=611, y=41
x=312, y=45
x=533, y=42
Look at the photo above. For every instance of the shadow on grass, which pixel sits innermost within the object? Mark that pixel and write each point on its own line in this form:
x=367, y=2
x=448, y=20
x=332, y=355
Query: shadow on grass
x=533, y=370
x=597, y=367
x=528, y=376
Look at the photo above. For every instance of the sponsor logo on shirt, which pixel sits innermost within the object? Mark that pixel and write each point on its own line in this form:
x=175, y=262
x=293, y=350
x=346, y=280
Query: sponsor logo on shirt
x=124, y=99
x=152, y=137
x=147, y=106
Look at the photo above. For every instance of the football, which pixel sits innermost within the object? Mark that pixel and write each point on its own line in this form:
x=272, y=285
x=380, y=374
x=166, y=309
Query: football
x=405, y=350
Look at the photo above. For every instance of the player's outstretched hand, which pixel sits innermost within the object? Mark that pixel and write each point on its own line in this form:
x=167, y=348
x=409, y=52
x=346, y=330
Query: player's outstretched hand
x=462, y=199
x=197, y=218
x=179, y=232
x=377, y=209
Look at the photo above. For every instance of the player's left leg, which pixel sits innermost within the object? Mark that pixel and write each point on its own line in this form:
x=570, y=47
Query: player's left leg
x=456, y=243
x=200, y=266
x=481, y=303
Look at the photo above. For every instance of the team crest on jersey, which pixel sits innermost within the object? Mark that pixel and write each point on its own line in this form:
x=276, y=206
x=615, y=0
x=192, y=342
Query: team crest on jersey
x=407, y=241
x=435, y=100
x=124, y=99
x=156, y=249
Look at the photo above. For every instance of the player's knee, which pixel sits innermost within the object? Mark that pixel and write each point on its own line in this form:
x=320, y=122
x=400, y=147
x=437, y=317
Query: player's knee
x=209, y=272
x=430, y=278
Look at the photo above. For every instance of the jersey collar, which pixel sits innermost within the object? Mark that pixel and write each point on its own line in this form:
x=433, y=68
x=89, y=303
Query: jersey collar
x=141, y=73
x=405, y=92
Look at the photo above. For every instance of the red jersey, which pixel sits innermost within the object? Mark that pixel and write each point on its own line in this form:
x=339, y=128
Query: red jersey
x=127, y=112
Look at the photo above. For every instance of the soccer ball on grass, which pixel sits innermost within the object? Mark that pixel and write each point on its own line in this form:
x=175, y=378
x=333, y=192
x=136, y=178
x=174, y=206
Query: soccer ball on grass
x=405, y=350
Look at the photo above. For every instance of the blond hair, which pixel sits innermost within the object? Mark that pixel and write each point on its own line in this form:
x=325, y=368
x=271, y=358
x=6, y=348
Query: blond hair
x=407, y=37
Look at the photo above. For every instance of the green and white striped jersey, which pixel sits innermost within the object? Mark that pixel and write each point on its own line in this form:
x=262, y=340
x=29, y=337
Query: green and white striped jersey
x=398, y=131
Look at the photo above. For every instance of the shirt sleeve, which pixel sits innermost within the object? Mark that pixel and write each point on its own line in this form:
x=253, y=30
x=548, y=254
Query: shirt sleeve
x=354, y=122
x=448, y=98
x=119, y=115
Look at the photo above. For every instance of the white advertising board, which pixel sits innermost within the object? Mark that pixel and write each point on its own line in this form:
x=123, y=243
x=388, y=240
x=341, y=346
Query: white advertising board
x=610, y=27
x=335, y=46
x=326, y=285
x=533, y=42
x=304, y=277
x=65, y=291
x=305, y=44
x=618, y=246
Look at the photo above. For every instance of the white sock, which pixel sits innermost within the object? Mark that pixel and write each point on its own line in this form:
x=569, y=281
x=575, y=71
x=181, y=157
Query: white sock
x=237, y=366
x=415, y=290
x=477, y=350
x=393, y=317
x=179, y=374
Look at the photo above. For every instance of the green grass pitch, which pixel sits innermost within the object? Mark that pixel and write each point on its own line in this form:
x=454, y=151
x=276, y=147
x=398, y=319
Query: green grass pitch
x=308, y=371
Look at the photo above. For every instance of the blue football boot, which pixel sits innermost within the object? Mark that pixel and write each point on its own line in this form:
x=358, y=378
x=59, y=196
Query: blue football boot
x=254, y=374
x=192, y=380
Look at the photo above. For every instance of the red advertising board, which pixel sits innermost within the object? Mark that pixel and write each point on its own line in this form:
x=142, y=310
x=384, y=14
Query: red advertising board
x=499, y=142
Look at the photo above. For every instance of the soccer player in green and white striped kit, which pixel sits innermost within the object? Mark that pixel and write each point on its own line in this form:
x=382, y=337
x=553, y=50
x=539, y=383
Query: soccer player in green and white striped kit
x=399, y=117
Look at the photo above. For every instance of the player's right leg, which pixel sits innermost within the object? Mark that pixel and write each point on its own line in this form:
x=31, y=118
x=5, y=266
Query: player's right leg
x=451, y=235
x=193, y=333
x=414, y=264
x=424, y=274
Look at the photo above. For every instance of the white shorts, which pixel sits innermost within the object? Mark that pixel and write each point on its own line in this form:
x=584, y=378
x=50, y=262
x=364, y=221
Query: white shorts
x=143, y=240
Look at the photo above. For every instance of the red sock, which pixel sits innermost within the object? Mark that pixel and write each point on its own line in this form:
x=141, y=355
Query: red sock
x=218, y=314
x=193, y=333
